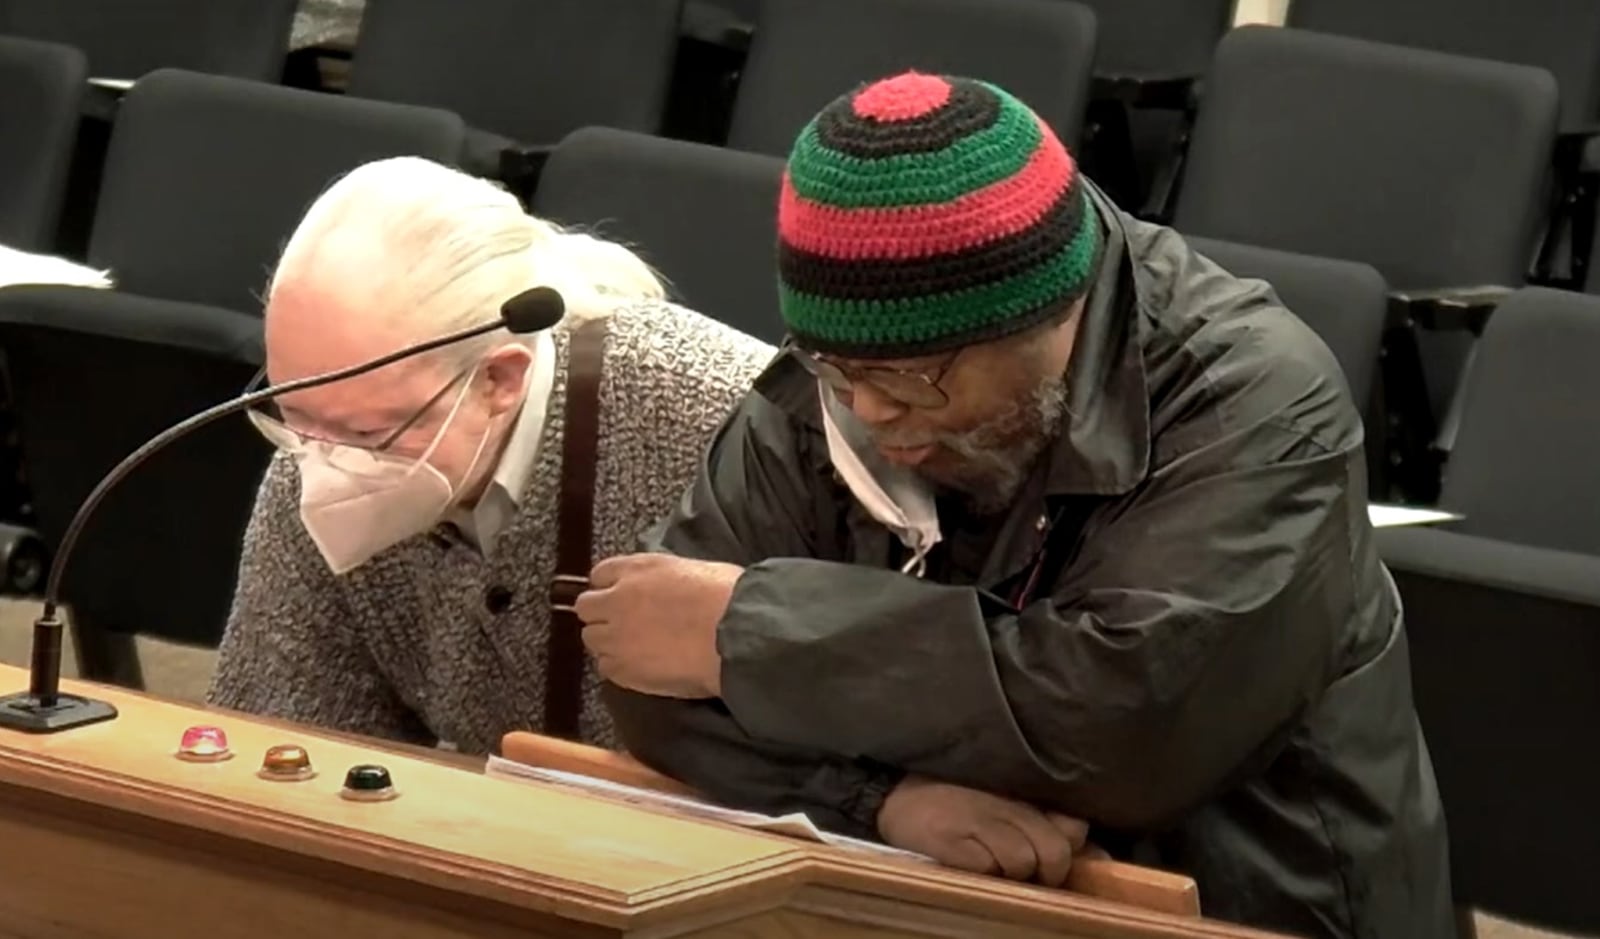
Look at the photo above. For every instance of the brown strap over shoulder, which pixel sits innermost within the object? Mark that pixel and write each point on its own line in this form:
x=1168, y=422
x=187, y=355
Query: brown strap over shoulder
x=565, y=664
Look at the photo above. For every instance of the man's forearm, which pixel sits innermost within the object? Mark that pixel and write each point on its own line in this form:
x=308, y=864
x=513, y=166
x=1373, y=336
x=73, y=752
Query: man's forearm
x=1062, y=708
x=699, y=743
x=857, y=660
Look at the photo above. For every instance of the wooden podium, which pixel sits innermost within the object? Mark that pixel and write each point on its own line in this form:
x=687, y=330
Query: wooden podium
x=105, y=832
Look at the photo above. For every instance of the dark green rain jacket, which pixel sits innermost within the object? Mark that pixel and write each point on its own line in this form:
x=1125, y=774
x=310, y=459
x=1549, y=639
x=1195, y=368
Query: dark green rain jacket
x=1210, y=667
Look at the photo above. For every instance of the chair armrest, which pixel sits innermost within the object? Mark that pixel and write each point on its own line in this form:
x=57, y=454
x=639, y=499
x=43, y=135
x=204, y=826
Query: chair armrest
x=1563, y=259
x=1563, y=576
x=569, y=757
x=1577, y=150
x=103, y=97
x=128, y=316
x=1448, y=308
x=713, y=25
x=1107, y=879
x=1167, y=92
x=520, y=166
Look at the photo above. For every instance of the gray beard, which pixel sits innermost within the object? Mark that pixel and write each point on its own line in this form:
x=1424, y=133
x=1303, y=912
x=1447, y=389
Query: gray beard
x=993, y=460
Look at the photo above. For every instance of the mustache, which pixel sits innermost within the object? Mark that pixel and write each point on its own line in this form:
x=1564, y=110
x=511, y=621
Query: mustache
x=905, y=440
x=1023, y=422
x=989, y=434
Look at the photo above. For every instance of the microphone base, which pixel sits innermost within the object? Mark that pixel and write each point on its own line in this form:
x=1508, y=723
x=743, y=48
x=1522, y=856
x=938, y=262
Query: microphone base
x=23, y=712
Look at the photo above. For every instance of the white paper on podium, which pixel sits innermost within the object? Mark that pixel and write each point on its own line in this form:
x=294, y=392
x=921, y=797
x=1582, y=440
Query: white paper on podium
x=794, y=825
x=1392, y=516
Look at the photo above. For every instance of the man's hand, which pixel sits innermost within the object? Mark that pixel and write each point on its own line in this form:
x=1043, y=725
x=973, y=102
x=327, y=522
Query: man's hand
x=979, y=832
x=651, y=622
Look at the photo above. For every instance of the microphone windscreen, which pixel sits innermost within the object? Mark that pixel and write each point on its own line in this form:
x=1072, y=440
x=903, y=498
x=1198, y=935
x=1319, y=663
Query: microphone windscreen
x=533, y=309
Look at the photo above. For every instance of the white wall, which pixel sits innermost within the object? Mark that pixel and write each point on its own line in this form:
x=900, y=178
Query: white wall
x=1260, y=11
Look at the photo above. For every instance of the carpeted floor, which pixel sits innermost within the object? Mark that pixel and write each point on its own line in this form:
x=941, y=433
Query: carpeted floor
x=170, y=670
x=182, y=673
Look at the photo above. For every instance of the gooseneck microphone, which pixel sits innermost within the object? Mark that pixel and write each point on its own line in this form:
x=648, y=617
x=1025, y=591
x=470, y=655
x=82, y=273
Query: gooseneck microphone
x=43, y=708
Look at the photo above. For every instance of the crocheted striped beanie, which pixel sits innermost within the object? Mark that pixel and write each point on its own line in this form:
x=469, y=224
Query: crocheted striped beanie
x=921, y=213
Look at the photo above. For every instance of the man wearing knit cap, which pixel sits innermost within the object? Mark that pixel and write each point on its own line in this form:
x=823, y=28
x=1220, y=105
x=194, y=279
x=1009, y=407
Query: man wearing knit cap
x=1043, y=522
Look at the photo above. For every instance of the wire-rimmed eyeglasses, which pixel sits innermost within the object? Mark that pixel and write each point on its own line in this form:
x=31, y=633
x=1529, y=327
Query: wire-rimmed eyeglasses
x=917, y=388
x=269, y=420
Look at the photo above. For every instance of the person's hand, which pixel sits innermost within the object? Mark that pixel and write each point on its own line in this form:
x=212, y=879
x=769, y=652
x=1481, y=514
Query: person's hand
x=979, y=832
x=651, y=622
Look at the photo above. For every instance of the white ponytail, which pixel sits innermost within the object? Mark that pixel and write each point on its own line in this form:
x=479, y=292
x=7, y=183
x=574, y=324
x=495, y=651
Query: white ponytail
x=594, y=276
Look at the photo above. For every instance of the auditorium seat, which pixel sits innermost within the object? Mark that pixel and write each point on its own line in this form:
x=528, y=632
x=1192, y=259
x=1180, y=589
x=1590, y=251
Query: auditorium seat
x=41, y=90
x=1561, y=36
x=520, y=71
x=705, y=217
x=1431, y=167
x=807, y=52
x=1503, y=613
x=1372, y=152
x=207, y=176
x=125, y=40
x=93, y=375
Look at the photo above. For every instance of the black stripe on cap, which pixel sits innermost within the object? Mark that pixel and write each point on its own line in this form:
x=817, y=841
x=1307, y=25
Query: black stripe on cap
x=971, y=108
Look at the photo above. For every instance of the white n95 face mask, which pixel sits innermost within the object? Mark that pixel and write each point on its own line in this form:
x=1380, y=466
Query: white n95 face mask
x=893, y=495
x=356, y=502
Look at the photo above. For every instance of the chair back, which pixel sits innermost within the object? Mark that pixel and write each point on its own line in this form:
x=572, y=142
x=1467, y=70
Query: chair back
x=123, y=40
x=1562, y=36
x=1158, y=38
x=1527, y=454
x=704, y=217
x=41, y=96
x=805, y=53
x=207, y=177
x=1370, y=152
x=527, y=71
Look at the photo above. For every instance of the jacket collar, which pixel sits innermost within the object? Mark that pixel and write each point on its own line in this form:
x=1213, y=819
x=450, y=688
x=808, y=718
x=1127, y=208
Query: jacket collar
x=1105, y=448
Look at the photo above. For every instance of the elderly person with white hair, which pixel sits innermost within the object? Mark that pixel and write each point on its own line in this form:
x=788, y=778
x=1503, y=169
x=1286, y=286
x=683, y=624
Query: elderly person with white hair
x=397, y=569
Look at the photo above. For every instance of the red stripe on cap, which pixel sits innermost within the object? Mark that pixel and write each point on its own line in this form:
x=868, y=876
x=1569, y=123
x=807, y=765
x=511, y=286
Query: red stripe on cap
x=918, y=231
x=902, y=98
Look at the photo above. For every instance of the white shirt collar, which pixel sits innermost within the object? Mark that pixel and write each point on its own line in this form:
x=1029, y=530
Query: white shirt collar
x=501, y=499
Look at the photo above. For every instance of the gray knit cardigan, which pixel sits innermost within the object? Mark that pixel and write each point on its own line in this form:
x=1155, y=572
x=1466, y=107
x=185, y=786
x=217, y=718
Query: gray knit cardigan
x=430, y=643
